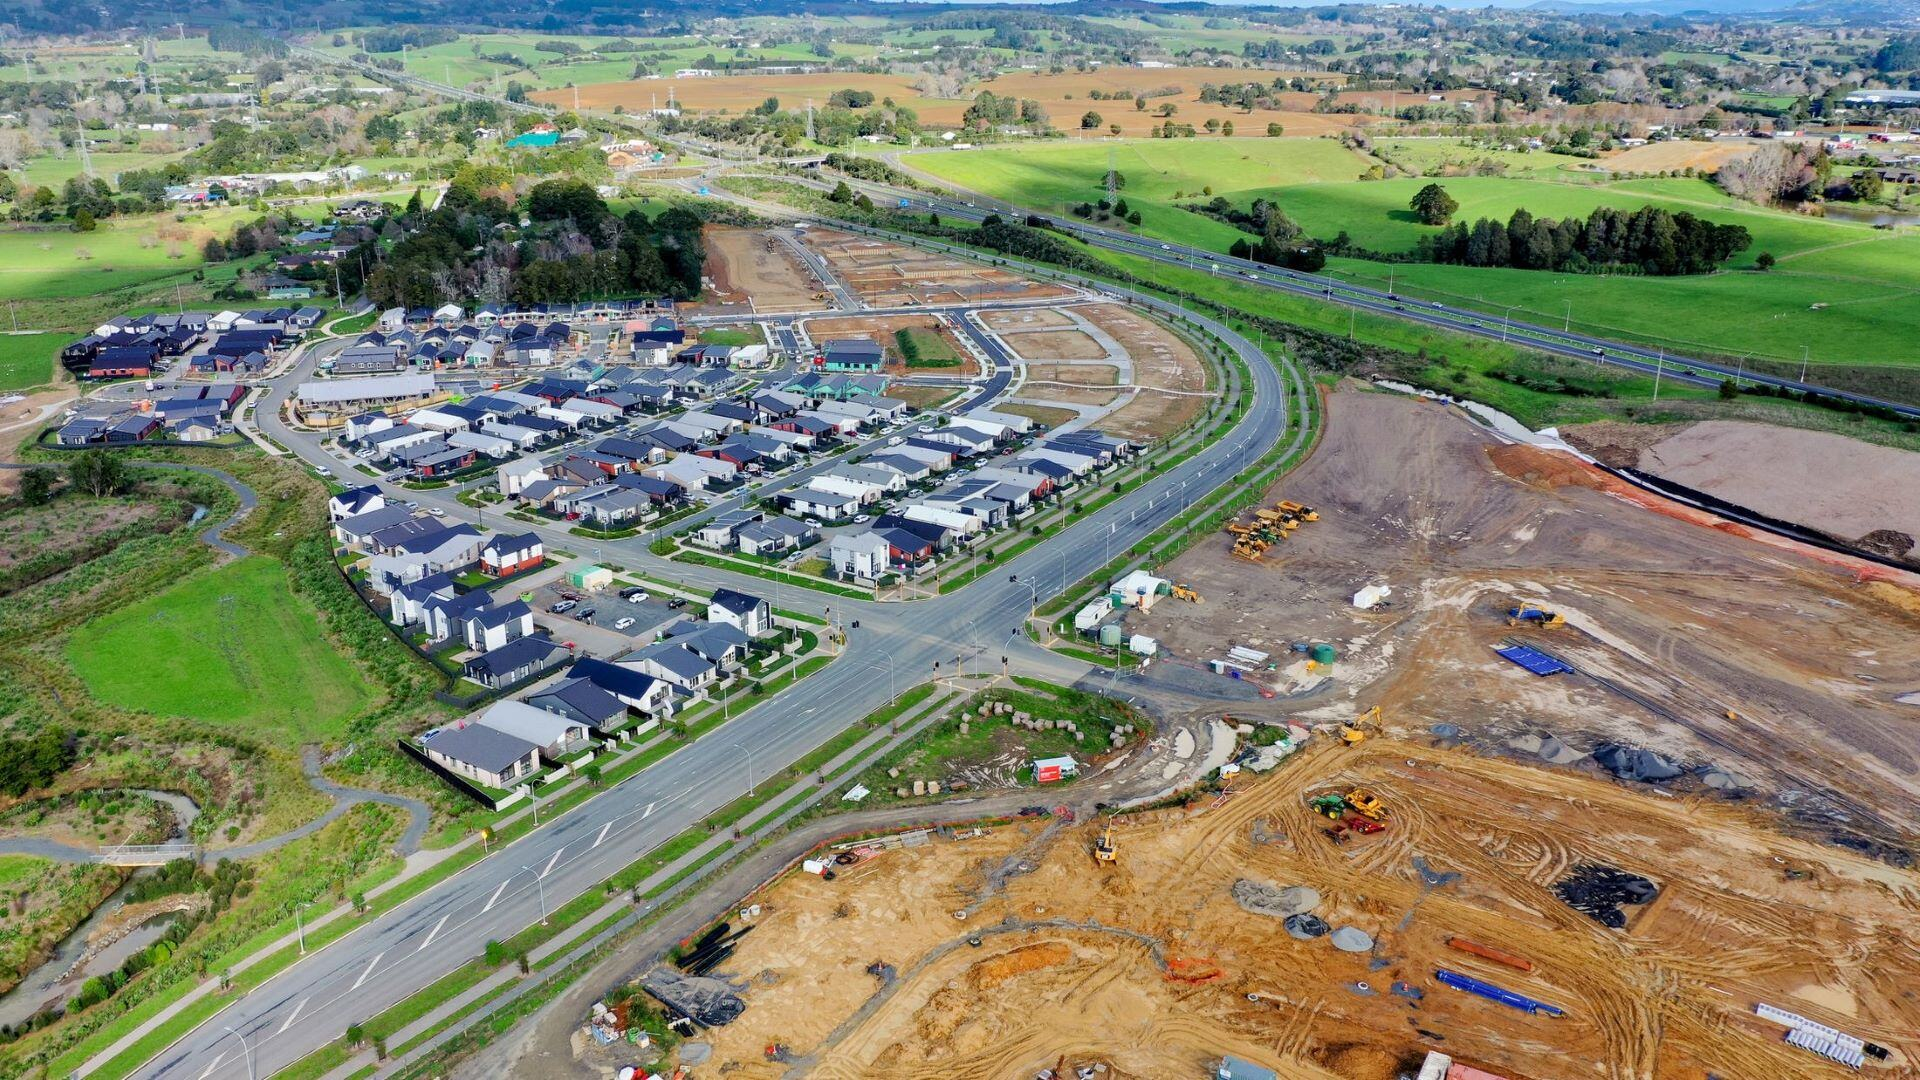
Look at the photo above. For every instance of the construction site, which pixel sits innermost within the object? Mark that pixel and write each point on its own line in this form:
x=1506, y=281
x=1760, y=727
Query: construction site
x=1158, y=943
x=886, y=274
x=1535, y=776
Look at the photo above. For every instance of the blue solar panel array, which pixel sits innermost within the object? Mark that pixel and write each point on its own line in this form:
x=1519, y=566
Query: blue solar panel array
x=1534, y=660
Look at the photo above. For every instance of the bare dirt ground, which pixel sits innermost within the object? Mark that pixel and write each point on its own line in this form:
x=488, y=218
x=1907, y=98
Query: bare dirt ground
x=887, y=275
x=1153, y=969
x=922, y=397
x=1824, y=481
x=747, y=264
x=1054, y=345
x=22, y=420
x=1674, y=154
x=1025, y=319
x=1079, y=374
x=1694, y=637
x=1161, y=361
x=1072, y=395
x=1039, y=414
x=881, y=329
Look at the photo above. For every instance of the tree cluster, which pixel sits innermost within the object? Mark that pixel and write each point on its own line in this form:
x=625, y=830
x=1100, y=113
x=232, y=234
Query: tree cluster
x=35, y=760
x=1650, y=240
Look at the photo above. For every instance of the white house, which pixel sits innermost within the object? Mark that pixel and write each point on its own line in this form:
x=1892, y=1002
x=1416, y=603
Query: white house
x=492, y=446
x=435, y=420
x=750, y=615
x=555, y=735
x=505, y=554
x=693, y=472
x=490, y=628
x=514, y=476
x=393, y=320
x=964, y=524
x=355, y=501
x=863, y=491
x=864, y=555
x=826, y=505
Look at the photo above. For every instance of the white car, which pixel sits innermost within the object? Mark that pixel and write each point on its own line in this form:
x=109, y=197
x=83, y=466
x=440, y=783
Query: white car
x=814, y=523
x=862, y=519
x=323, y=470
x=436, y=511
x=637, y=598
x=623, y=622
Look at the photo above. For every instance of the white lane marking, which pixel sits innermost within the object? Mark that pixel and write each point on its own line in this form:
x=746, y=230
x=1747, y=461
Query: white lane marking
x=431, y=934
x=214, y=1064
x=292, y=1016
x=491, y=900
x=550, y=862
x=603, y=833
x=649, y=812
x=363, y=975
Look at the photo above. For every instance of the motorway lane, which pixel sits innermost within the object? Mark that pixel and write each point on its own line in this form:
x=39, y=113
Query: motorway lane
x=373, y=967
x=1562, y=342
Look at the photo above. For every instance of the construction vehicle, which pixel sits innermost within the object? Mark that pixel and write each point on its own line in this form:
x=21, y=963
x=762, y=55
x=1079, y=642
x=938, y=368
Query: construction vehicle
x=1104, y=849
x=1248, y=551
x=1356, y=733
x=1528, y=615
x=1367, y=803
x=1363, y=825
x=1187, y=593
x=1305, y=513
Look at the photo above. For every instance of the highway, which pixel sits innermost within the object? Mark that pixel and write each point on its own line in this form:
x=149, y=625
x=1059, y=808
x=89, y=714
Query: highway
x=898, y=645
x=1561, y=341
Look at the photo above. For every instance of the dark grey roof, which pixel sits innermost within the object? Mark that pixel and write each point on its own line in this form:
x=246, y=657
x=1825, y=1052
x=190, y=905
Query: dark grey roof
x=516, y=654
x=481, y=747
x=737, y=602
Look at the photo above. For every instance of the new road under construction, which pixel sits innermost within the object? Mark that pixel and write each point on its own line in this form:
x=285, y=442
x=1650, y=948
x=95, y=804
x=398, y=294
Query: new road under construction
x=1582, y=784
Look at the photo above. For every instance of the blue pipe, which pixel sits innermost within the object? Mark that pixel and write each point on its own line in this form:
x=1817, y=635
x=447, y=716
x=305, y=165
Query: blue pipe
x=1496, y=993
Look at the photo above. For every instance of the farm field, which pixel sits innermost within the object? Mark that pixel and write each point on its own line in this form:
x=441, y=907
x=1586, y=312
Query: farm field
x=59, y=262
x=230, y=648
x=1064, y=97
x=1840, y=289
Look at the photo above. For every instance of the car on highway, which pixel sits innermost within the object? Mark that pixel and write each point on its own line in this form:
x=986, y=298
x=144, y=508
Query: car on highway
x=563, y=607
x=623, y=622
x=1599, y=351
x=1439, y=305
x=1166, y=247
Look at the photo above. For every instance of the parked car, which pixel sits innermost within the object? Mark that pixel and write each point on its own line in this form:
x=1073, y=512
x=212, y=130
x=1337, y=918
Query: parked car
x=623, y=622
x=563, y=607
x=814, y=523
x=677, y=603
x=862, y=519
x=436, y=511
x=632, y=591
x=637, y=598
x=587, y=614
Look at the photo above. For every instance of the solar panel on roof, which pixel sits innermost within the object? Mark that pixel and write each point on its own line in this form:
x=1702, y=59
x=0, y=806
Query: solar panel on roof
x=1534, y=660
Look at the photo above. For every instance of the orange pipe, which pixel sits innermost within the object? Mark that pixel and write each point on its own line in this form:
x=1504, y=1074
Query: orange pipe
x=1487, y=952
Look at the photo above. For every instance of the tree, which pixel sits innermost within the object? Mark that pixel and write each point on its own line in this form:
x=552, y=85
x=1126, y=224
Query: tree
x=1090, y=120
x=1274, y=131
x=1865, y=186
x=1432, y=205
x=36, y=486
x=1139, y=104
x=841, y=193
x=1763, y=262
x=99, y=473
x=1113, y=129
x=1728, y=390
x=1113, y=181
x=1227, y=129
x=83, y=221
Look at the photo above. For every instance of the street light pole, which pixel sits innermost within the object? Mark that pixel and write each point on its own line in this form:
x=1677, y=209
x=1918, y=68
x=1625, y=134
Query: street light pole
x=743, y=749
x=298, y=927
x=1803, y=363
x=1567, y=327
x=246, y=1050
x=541, y=884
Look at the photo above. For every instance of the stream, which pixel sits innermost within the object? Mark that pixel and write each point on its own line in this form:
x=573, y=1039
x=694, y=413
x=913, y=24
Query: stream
x=57, y=978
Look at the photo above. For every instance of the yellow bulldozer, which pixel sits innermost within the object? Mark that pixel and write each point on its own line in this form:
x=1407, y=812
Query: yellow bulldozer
x=1249, y=549
x=1366, y=803
x=1187, y=593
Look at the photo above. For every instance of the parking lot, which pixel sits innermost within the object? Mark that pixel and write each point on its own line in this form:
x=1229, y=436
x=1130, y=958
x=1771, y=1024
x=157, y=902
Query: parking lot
x=602, y=632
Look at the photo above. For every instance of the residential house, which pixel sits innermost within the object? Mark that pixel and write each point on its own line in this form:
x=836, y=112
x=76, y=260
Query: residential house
x=487, y=757
x=774, y=536
x=583, y=702
x=514, y=476
x=859, y=555
x=517, y=661
x=641, y=690
x=355, y=501
x=862, y=356
x=555, y=735
x=750, y=615
x=816, y=503
x=504, y=555
x=676, y=665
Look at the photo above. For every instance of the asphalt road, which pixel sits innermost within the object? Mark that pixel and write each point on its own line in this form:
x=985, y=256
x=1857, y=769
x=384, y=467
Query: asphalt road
x=381, y=963
x=1562, y=341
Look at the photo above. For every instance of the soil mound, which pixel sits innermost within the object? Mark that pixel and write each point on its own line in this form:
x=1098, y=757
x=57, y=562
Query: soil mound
x=1541, y=468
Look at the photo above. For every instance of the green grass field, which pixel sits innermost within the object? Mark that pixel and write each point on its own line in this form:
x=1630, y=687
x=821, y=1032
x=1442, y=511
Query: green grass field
x=27, y=359
x=1845, y=291
x=16, y=869
x=53, y=262
x=231, y=648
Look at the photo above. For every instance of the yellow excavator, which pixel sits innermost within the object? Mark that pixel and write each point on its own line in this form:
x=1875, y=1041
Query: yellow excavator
x=1104, y=849
x=1355, y=733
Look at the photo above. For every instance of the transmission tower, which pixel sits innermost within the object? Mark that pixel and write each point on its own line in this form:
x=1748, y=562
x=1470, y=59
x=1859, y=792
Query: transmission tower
x=86, y=158
x=809, y=119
